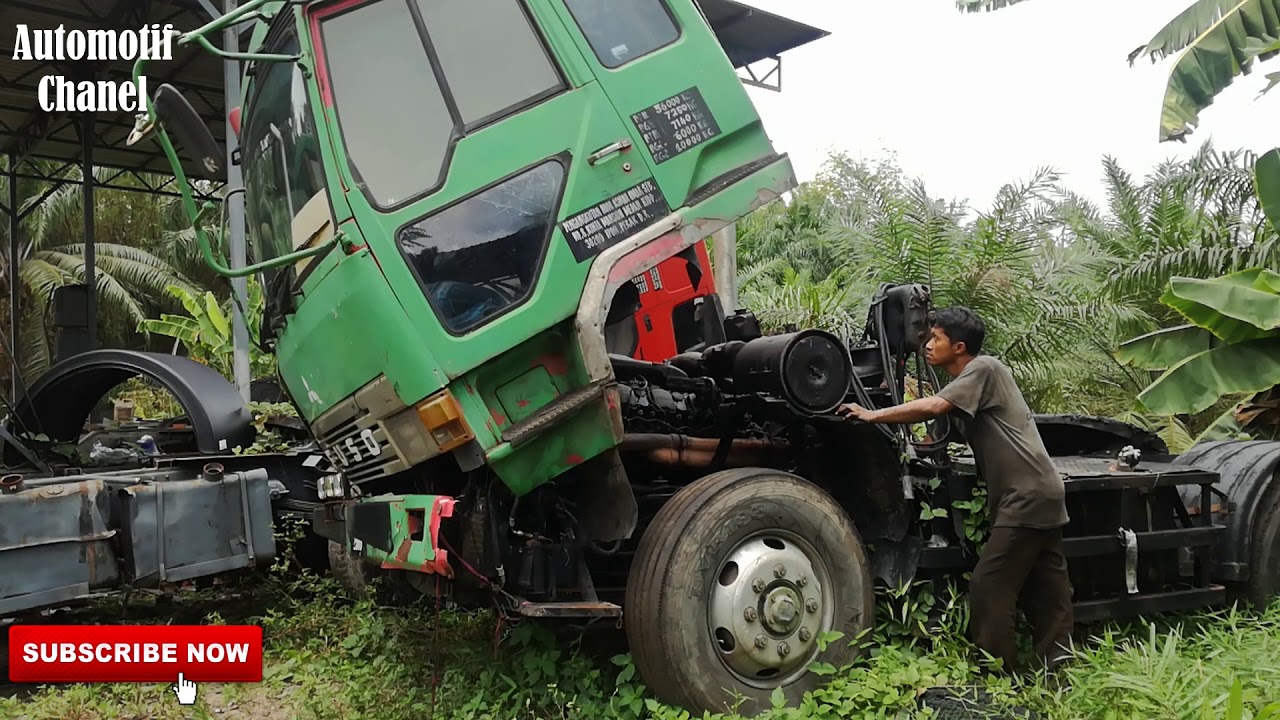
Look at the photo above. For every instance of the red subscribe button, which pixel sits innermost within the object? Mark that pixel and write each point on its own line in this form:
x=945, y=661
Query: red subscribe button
x=135, y=653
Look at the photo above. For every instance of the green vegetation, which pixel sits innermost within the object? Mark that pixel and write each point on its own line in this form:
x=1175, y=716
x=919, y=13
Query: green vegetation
x=1228, y=348
x=334, y=659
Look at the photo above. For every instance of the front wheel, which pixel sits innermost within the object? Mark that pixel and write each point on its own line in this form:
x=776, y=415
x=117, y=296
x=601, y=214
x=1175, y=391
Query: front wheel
x=734, y=583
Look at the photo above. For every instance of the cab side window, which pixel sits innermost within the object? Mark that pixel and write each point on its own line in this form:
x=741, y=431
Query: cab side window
x=412, y=77
x=620, y=31
x=395, y=121
x=481, y=256
x=491, y=55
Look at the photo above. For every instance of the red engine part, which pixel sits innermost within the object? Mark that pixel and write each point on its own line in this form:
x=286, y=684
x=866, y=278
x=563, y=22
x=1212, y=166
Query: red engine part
x=666, y=322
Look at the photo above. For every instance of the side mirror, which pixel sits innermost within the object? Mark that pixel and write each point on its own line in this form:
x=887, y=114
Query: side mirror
x=176, y=114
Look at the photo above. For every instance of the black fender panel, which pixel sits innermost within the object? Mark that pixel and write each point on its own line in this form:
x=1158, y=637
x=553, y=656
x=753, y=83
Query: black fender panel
x=60, y=400
x=1087, y=435
x=1246, y=469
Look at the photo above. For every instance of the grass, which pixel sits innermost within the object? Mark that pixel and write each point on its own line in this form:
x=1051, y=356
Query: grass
x=331, y=658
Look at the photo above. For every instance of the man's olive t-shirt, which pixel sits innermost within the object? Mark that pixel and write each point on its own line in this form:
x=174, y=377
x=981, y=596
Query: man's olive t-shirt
x=1024, y=489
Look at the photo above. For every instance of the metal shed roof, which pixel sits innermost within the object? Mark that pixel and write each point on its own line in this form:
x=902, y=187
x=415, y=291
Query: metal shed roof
x=748, y=35
x=27, y=130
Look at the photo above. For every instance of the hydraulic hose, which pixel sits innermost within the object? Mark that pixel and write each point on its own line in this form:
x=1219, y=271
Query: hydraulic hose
x=892, y=382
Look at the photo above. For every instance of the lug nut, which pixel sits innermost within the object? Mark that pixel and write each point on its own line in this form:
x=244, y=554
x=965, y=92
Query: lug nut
x=802, y=581
x=761, y=641
x=784, y=649
x=779, y=571
x=811, y=606
x=805, y=634
x=758, y=585
x=750, y=614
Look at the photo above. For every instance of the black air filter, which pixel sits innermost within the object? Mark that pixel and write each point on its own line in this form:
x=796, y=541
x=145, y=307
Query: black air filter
x=809, y=369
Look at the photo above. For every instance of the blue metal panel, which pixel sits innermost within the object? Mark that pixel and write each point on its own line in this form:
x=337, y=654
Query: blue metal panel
x=54, y=544
x=177, y=530
x=64, y=539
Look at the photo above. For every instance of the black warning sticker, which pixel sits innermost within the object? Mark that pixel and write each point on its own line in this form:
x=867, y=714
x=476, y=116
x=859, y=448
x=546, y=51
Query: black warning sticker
x=604, y=225
x=676, y=124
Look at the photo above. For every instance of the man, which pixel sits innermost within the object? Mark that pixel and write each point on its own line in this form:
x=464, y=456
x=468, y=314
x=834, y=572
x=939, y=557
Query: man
x=1022, y=560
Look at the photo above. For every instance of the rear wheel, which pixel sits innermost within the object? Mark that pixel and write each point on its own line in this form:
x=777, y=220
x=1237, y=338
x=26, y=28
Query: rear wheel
x=734, y=583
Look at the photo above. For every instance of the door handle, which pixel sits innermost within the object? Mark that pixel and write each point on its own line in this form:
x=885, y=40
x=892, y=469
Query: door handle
x=609, y=151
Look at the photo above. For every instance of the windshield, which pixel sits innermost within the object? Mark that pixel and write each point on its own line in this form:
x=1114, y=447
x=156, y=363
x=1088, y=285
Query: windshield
x=282, y=167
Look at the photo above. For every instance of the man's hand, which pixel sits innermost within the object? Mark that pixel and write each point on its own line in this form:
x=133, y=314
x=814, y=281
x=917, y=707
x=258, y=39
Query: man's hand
x=857, y=412
x=915, y=411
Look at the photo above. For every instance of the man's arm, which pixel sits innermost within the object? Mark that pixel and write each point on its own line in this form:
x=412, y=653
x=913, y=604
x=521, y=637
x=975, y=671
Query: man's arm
x=915, y=411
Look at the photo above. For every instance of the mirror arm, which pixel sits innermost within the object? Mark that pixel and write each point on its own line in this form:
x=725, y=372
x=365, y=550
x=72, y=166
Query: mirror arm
x=189, y=204
x=184, y=185
x=221, y=23
x=259, y=57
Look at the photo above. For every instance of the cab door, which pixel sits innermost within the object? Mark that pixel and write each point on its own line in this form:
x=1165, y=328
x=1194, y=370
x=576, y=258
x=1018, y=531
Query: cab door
x=483, y=163
x=664, y=70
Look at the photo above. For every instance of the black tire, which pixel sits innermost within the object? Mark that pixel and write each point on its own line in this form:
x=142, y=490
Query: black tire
x=350, y=571
x=1264, y=549
x=677, y=579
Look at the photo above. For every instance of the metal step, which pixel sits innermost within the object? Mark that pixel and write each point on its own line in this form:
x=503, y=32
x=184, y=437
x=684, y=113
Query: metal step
x=570, y=610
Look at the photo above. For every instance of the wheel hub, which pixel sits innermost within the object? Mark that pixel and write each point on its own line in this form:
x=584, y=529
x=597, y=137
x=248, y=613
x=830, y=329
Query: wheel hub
x=768, y=607
x=781, y=615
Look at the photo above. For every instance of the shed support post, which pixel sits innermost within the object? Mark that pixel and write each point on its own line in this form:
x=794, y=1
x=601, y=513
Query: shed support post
x=724, y=252
x=15, y=278
x=90, y=255
x=235, y=214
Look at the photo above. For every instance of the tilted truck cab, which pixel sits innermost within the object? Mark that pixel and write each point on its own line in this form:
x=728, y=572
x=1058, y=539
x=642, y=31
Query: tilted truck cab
x=498, y=170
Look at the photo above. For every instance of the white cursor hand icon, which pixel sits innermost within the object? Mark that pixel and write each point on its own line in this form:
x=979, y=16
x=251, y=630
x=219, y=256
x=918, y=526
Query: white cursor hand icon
x=185, y=690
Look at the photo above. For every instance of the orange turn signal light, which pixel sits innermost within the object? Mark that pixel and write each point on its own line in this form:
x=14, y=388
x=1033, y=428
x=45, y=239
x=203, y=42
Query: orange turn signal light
x=442, y=416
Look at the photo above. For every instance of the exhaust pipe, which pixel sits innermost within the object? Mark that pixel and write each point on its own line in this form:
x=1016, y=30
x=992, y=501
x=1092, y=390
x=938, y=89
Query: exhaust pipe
x=687, y=451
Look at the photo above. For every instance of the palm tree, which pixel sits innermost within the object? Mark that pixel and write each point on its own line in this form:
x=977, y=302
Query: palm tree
x=816, y=260
x=131, y=275
x=1194, y=218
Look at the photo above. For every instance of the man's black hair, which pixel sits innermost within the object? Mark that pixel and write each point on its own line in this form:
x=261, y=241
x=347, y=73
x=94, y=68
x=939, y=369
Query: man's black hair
x=961, y=325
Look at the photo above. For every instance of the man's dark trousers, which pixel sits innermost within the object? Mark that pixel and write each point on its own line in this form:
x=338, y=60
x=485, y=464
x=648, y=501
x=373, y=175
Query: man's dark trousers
x=1021, y=567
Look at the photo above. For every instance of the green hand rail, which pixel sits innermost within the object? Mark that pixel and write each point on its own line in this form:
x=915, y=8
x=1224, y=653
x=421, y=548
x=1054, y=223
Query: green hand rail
x=184, y=185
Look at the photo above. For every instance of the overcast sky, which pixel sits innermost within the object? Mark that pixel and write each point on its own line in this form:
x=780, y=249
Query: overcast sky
x=971, y=101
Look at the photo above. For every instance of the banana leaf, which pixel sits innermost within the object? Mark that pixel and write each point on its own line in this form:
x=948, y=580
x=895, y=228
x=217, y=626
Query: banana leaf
x=216, y=317
x=1243, y=32
x=1163, y=349
x=1226, y=427
x=174, y=326
x=1273, y=79
x=1235, y=307
x=1198, y=382
x=1267, y=182
x=1183, y=29
x=1255, y=304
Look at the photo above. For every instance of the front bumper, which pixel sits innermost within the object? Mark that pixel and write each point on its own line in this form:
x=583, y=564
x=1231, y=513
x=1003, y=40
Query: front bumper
x=398, y=532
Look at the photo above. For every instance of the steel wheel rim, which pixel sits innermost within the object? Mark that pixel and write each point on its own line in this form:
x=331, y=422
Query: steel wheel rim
x=770, y=602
